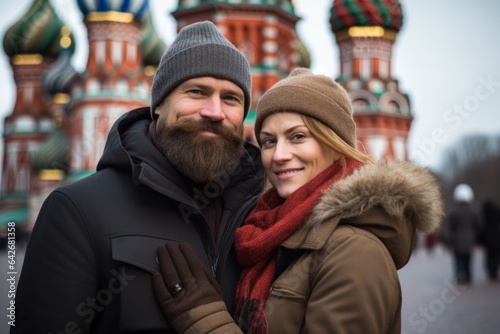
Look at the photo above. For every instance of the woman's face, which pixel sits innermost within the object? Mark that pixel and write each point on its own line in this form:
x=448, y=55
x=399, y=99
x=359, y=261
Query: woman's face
x=290, y=154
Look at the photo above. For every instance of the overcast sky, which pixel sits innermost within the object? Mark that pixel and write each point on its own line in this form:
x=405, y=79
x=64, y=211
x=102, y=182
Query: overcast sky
x=446, y=57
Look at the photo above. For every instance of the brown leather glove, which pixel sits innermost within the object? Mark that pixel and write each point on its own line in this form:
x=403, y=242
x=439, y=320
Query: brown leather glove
x=179, y=264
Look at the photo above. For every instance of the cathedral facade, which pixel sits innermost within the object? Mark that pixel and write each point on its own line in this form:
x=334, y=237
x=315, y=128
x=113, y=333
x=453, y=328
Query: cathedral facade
x=58, y=126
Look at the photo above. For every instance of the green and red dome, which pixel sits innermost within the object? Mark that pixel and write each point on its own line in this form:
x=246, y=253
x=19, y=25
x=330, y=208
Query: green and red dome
x=152, y=46
x=349, y=13
x=37, y=32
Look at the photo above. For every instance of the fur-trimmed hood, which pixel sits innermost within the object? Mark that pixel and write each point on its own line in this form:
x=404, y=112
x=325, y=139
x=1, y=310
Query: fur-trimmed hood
x=404, y=190
x=393, y=200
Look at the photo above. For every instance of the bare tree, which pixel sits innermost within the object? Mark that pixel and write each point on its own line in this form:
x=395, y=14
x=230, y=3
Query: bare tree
x=475, y=160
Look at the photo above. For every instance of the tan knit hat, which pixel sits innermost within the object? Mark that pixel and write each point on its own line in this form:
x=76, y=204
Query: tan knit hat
x=317, y=96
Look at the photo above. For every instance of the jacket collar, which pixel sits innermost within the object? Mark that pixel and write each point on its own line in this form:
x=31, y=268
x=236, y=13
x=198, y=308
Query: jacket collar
x=393, y=200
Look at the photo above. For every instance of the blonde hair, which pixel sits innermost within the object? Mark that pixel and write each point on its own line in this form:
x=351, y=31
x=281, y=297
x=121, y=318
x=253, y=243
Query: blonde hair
x=330, y=139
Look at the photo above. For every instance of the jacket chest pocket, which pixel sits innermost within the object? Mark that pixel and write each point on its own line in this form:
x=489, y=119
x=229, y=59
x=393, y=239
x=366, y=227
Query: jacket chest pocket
x=137, y=258
x=287, y=294
x=285, y=310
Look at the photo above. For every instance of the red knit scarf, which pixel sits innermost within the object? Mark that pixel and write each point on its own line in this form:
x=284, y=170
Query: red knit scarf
x=271, y=222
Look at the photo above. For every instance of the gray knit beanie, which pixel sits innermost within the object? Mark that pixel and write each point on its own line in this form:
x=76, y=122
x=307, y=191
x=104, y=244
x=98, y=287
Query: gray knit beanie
x=199, y=50
x=316, y=96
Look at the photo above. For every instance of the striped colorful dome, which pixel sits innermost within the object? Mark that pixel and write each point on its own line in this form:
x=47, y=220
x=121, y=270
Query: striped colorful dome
x=152, y=47
x=304, y=55
x=60, y=76
x=53, y=153
x=348, y=13
x=37, y=32
x=138, y=8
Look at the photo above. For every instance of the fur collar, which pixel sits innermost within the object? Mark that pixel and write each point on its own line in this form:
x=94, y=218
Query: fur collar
x=404, y=190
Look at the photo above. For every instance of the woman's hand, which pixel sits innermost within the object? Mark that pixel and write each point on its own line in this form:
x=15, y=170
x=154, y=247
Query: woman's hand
x=183, y=284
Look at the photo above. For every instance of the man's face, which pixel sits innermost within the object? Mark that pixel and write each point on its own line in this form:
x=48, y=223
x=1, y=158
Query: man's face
x=214, y=99
x=200, y=128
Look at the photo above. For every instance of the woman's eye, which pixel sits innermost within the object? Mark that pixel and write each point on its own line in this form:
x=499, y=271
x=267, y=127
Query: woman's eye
x=267, y=141
x=298, y=136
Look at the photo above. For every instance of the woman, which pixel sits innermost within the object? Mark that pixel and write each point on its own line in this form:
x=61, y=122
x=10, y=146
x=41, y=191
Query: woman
x=321, y=249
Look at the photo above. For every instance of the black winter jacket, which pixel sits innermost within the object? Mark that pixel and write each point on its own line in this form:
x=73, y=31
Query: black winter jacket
x=93, y=249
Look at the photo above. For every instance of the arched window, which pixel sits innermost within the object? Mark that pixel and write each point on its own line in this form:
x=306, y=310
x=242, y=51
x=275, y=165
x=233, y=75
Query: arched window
x=25, y=124
x=121, y=85
x=93, y=85
x=360, y=105
x=393, y=108
x=247, y=49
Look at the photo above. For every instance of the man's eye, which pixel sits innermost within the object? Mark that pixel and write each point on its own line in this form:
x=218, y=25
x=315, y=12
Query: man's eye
x=231, y=98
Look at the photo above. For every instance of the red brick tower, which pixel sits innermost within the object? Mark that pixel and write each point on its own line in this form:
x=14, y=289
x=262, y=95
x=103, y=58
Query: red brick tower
x=113, y=82
x=32, y=44
x=365, y=32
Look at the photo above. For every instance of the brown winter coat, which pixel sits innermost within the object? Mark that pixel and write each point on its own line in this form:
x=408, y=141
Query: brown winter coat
x=357, y=237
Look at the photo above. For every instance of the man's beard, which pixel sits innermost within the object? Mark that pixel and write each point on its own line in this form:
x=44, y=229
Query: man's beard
x=199, y=157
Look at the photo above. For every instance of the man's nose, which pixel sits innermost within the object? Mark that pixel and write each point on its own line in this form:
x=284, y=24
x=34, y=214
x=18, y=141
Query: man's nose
x=213, y=109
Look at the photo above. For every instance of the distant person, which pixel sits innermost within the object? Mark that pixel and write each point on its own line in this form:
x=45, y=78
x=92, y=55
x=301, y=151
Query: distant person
x=431, y=240
x=490, y=238
x=461, y=231
x=322, y=247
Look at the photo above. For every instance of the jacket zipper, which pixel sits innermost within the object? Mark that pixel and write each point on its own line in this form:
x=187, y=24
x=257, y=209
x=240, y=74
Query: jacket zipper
x=243, y=206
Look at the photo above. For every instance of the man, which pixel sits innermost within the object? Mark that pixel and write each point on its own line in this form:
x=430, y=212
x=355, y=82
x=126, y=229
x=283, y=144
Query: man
x=176, y=171
x=461, y=230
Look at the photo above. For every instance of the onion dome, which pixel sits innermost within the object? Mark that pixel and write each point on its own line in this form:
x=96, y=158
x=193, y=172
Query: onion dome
x=285, y=5
x=152, y=47
x=50, y=158
x=384, y=13
x=61, y=74
x=304, y=56
x=37, y=32
x=136, y=8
